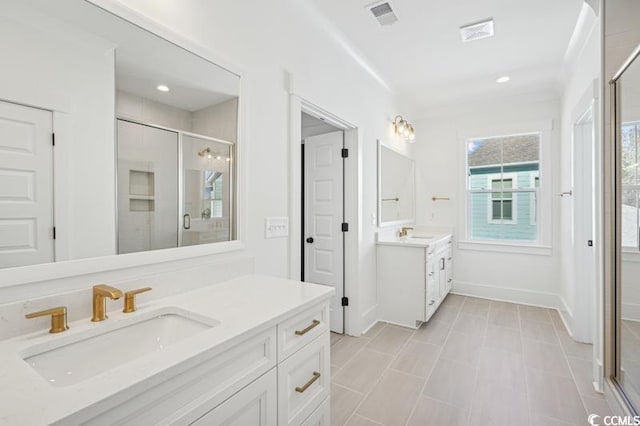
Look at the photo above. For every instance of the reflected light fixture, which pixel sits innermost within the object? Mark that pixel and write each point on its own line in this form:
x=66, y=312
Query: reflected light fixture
x=163, y=87
x=503, y=79
x=207, y=152
x=402, y=128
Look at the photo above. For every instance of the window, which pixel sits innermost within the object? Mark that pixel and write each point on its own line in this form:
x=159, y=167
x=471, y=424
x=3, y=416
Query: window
x=630, y=184
x=501, y=202
x=503, y=184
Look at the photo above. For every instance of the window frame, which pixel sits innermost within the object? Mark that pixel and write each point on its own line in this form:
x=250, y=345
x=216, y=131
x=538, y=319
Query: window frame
x=514, y=203
x=543, y=245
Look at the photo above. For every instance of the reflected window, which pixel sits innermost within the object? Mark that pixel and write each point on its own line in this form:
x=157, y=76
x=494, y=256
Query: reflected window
x=630, y=185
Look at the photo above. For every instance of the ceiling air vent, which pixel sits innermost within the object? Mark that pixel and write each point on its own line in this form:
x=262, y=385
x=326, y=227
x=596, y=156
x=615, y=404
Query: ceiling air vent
x=477, y=30
x=383, y=13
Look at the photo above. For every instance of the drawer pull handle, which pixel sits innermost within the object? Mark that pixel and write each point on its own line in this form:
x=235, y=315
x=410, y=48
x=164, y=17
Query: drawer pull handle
x=315, y=377
x=313, y=325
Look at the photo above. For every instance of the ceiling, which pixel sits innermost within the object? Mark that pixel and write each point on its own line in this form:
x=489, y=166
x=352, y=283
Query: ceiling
x=423, y=59
x=143, y=60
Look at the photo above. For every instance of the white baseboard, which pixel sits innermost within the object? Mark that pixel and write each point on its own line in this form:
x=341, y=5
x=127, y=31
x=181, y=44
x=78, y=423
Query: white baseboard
x=566, y=315
x=523, y=297
x=369, y=319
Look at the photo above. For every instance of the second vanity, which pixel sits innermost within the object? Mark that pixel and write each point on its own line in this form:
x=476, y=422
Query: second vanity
x=415, y=274
x=252, y=350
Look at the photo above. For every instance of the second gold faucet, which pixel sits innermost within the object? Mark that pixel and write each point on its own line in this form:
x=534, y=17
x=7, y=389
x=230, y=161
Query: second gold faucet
x=100, y=294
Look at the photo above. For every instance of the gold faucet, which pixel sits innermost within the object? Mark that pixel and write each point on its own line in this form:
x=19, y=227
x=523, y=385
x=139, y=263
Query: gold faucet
x=58, y=318
x=405, y=231
x=100, y=293
x=130, y=299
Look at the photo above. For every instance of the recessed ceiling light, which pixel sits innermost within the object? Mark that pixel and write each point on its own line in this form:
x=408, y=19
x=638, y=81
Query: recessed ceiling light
x=163, y=88
x=503, y=79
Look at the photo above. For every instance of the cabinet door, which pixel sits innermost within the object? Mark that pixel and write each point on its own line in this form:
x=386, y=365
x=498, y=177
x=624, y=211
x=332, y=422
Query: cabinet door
x=449, y=270
x=255, y=405
x=442, y=275
x=320, y=417
x=433, y=286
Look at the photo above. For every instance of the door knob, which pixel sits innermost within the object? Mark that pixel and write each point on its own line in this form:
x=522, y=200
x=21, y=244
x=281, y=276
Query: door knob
x=310, y=240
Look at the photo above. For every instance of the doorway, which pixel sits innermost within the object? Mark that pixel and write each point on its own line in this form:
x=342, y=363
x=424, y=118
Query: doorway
x=323, y=210
x=584, y=231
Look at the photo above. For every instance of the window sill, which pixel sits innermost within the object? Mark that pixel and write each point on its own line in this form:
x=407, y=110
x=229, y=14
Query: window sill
x=507, y=247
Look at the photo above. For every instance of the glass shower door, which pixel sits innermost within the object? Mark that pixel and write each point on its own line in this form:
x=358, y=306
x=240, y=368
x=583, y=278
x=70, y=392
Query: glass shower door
x=207, y=204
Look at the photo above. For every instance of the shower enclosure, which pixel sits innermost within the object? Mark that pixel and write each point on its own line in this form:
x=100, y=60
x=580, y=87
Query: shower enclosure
x=174, y=188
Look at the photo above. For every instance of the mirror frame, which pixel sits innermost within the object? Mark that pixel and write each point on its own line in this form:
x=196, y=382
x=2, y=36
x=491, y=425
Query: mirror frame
x=381, y=223
x=40, y=273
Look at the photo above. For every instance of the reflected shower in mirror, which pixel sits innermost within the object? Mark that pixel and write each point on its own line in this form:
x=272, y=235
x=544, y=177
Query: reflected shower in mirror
x=70, y=65
x=396, y=187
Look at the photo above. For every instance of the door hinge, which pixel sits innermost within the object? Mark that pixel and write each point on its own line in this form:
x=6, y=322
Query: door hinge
x=54, y=232
x=345, y=301
x=345, y=227
x=345, y=153
x=53, y=139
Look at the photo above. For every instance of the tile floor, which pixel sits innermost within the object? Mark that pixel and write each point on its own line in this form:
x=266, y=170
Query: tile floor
x=476, y=362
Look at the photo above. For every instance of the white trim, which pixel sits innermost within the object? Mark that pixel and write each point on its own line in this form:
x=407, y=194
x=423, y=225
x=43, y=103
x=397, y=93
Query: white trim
x=512, y=247
x=543, y=128
x=513, y=295
x=369, y=318
x=352, y=206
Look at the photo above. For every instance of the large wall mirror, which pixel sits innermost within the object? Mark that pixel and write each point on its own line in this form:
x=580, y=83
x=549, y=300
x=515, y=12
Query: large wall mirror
x=626, y=106
x=113, y=140
x=396, y=187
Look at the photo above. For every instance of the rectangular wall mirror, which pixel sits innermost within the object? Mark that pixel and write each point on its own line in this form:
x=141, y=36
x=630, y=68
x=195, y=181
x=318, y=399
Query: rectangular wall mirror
x=113, y=140
x=396, y=187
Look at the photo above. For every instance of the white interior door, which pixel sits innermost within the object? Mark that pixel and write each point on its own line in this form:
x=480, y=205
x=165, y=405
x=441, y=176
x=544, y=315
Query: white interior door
x=324, y=214
x=584, y=228
x=26, y=186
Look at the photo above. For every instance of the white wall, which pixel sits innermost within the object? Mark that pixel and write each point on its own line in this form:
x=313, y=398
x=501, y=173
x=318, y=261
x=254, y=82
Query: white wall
x=71, y=74
x=524, y=278
x=273, y=42
x=218, y=121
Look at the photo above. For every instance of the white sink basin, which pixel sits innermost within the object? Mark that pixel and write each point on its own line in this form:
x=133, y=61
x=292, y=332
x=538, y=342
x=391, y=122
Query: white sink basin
x=92, y=352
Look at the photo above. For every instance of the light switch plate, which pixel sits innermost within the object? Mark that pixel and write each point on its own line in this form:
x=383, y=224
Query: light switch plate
x=276, y=227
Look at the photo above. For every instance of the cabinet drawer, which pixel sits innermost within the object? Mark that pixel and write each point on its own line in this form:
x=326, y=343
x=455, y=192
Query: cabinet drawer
x=320, y=417
x=189, y=391
x=303, y=382
x=255, y=405
x=298, y=331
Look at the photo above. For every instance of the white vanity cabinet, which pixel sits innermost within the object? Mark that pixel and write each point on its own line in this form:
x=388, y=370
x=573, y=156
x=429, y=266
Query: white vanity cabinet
x=413, y=279
x=279, y=376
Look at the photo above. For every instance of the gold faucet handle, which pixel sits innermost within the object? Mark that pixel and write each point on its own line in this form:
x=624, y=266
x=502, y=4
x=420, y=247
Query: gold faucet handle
x=130, y=299
x=58, y=318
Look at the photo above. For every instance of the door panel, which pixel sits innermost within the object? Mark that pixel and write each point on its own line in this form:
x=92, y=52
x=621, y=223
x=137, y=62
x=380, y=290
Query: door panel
x=324, y=214
x=26, y=186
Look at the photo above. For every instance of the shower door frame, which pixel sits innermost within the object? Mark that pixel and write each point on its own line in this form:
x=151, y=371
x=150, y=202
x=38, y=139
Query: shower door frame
x=181, y=133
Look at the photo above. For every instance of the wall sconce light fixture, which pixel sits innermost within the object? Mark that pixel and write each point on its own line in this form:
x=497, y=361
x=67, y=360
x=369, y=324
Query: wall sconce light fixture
x=403, y=129
x=210, y=154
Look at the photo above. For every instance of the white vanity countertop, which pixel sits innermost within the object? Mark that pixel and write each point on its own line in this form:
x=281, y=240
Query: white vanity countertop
x=243, y=305
x=416, y=239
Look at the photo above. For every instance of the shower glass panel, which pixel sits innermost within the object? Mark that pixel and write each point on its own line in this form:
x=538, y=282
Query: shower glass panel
x=207, y=182
x=627, y=313
x=147, y=188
